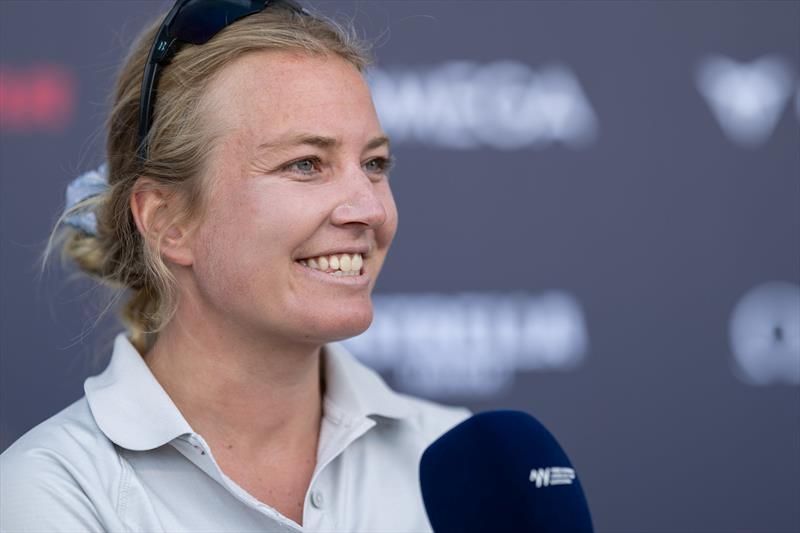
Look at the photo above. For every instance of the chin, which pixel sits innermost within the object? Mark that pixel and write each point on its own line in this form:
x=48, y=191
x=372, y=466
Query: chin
x=337, y=328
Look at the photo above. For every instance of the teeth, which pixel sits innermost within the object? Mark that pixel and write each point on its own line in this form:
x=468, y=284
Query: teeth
x=342, y=264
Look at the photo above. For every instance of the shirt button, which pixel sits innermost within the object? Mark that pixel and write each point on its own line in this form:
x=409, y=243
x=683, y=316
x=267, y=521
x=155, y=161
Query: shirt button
x=316, y=498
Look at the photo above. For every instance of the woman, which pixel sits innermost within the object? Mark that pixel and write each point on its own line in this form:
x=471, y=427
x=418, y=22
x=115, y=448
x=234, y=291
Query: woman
x=248, y=213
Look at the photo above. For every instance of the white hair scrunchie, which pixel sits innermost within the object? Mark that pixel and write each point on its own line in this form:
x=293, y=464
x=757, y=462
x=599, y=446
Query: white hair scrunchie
x=85, y=186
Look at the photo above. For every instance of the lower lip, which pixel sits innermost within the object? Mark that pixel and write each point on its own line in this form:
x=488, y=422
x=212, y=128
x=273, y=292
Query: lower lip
x=362, y=280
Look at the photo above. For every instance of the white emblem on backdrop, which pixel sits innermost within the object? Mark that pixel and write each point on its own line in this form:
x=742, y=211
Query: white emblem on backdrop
x=765, y=334
x=472, y=343
x=464, y=105
x=797, y=102
x=747, y=99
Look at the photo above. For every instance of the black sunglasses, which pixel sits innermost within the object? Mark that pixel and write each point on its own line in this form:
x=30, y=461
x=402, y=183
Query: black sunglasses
x=195, y=22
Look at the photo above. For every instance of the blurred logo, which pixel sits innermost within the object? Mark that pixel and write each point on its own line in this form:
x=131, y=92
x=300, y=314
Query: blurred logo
x=797, y=103
x=463, y=105
x=552, y=475
x=36, y=98
x=472, y=343
x=765, y=334
x=747, y=99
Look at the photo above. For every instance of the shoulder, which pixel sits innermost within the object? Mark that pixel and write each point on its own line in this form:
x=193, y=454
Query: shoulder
x=53, y=474
x=68, y=438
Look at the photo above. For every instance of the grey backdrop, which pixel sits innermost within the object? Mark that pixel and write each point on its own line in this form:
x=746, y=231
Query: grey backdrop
x=655, y=223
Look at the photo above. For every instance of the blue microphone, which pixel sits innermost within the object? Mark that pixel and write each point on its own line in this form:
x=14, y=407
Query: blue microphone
x=501, y=471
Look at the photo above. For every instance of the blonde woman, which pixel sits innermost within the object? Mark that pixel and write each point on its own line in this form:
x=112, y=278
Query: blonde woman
x=246, y=211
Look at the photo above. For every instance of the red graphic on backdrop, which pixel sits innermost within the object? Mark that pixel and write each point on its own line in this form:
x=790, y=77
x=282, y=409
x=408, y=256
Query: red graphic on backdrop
x=36, y=98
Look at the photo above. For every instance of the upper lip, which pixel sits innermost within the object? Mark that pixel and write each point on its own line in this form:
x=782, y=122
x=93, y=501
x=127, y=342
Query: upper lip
x=363, y=250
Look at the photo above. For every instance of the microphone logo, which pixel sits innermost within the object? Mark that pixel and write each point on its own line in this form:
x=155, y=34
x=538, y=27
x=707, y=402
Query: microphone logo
x=552, y=475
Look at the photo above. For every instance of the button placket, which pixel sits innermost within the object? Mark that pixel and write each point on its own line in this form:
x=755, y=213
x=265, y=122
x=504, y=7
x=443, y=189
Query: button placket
x=196, y=445
x=317, y=500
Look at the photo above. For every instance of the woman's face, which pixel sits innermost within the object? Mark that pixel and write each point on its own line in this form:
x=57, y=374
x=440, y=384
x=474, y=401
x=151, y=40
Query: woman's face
x=299, y=173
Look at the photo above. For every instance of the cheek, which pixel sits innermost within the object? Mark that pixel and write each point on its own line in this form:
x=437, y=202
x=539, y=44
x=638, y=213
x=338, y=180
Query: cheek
x=387, y=231
x=215, y=264
x=256, y=231
x=231, y=245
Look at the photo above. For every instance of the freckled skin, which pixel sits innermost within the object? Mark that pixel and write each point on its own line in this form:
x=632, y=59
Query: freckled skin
x=259, y=220
x=241, y=357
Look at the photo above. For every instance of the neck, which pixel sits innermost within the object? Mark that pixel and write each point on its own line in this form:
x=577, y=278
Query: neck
x=252, y=396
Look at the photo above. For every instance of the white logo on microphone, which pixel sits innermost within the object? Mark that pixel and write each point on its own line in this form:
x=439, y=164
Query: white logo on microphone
x=552, y=475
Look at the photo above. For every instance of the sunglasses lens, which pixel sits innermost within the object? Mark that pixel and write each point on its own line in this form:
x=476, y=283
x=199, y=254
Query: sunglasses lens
x=199, y=20
x=195, y=22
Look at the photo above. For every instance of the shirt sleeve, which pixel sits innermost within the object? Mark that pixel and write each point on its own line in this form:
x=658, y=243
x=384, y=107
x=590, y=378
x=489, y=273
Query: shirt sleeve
x=40, y=492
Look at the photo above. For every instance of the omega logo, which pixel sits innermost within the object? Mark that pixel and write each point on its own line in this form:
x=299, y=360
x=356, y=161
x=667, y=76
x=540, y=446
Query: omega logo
x=464, y=105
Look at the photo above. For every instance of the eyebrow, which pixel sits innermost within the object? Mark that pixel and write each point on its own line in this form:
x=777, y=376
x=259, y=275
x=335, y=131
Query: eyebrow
x=317, y=140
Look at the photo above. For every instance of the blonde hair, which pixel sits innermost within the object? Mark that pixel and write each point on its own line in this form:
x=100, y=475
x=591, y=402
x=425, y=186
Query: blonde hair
x=179, y=140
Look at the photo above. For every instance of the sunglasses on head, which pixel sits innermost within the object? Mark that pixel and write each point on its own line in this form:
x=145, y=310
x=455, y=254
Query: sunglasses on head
x=195, y=22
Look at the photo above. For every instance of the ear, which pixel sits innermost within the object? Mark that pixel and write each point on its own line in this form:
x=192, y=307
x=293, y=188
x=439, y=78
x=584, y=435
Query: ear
x=152, y=210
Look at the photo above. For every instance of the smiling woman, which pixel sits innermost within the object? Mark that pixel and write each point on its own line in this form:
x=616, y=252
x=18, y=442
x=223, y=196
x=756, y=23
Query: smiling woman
x=246, y=209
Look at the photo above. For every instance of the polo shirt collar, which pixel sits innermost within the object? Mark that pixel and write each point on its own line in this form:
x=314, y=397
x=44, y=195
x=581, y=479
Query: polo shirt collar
x=357, y=390
x=135, y=412
x=129, y=404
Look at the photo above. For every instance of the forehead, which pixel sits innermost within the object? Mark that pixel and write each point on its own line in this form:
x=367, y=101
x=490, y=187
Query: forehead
x=266, y=95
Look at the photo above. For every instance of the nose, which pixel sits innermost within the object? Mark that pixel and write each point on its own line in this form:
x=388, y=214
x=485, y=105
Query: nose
x=360, y=203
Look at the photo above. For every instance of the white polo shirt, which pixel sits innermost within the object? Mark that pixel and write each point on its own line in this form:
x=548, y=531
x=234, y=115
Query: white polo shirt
x=123, y=458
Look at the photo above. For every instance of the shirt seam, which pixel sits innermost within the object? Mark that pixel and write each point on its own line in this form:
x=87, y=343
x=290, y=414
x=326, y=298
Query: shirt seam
x=344, y=518
x=335, y=412
x=124, y=484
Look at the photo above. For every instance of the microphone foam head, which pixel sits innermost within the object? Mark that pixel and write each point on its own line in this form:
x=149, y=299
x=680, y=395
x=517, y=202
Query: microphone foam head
x=501, y=471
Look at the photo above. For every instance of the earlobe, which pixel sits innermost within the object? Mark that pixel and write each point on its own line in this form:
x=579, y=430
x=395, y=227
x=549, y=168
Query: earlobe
x=153, y=211
x=175, y=247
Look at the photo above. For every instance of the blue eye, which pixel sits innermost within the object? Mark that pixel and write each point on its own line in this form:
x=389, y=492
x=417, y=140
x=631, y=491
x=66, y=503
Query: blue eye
x=379, y=165
x=304, y=166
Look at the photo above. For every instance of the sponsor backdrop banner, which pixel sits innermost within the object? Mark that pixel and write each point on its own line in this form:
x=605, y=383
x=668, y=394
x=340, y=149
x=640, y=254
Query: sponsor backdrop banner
x=599, y=225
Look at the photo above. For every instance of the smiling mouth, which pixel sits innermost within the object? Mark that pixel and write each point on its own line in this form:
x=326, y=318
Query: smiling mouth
x=336, y=264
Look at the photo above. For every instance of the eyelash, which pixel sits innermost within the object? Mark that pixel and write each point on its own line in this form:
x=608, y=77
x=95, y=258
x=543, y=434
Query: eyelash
x=385, y=163
x=290, y=166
